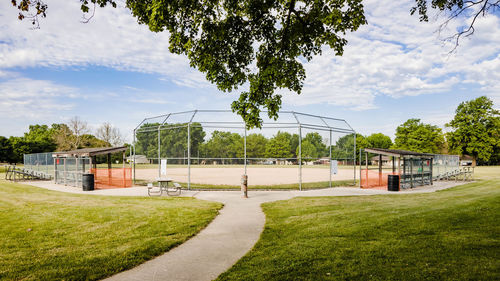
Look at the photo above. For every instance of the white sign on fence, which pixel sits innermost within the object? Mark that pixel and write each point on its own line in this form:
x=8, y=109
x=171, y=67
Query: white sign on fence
x=335, y=167
x=163, y=167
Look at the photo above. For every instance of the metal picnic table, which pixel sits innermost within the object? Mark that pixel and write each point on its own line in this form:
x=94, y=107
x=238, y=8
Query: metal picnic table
x=165, y=184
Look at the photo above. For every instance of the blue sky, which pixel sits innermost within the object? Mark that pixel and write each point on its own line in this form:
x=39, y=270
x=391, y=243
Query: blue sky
x=114, y=70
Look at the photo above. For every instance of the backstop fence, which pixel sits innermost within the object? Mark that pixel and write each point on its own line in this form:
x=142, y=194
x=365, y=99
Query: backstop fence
x=208, y=148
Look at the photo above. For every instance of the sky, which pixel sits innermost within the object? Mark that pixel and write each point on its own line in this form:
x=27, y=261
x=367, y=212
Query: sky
x=114, y=70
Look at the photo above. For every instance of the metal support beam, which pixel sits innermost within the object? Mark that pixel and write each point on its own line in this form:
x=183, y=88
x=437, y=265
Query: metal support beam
x=300, y=158
x=354, y=160
x=330, y=182
x=189, y=153
x=360, y=163
x=245, y=148
x=133, y=159
x=159, y=153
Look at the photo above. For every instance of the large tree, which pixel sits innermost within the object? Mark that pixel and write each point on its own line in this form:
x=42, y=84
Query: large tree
x=6, y=151
x=416, y=136
x=279, y=146
x=344, y=147
x=379, y=140
x=261, y=45
x=256, y=43
x=476, y=129
x=317, y=141
x=256, y=146
x=109, y=134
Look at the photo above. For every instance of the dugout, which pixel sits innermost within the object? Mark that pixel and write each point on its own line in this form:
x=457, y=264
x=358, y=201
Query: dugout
x=69, y=167
x=413, y=168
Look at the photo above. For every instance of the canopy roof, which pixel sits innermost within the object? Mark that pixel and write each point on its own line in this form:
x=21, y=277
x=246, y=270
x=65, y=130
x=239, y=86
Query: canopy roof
x=89, y=152
x=398, y=152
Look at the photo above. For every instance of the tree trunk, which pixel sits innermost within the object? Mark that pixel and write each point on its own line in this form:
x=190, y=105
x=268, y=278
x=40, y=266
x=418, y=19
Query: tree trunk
x=473, y=161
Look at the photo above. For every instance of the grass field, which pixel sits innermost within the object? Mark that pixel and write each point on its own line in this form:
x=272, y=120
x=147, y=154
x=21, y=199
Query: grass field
x=447, y=235
x=46, y=235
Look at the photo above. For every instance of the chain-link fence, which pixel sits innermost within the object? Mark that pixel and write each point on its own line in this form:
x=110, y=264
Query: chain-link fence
x=39, y=163
x=69, y=170
x=213, y=148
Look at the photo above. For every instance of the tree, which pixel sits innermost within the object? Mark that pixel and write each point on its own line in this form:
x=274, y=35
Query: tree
x=344, y=147
x=88, y=140
x=224, y=145
x=62, y=137
x=455, y=9
x=308, y=150
x=279, y=146
x=379, y=140
x=262, y=44
x=40, y=138
x=476, y=129
x=109, y=134
x=256, y=146
x=416, y=136
x=78, y=129
x=19, y=147
x=6, y=151
x=316, y=140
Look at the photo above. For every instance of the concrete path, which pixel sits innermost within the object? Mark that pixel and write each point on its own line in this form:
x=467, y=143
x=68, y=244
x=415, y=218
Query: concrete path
x=228, y=237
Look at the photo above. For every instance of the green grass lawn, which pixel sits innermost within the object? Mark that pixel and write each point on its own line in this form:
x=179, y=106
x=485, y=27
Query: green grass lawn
x=47, y=235
x=452, y=234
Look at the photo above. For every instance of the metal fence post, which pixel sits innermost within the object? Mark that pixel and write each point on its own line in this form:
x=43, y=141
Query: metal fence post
x=189, y=155
x=330, y=183
x=159, y=152
x=245, y=148
x=133, y=158
x=354, y=160
x=300, y=157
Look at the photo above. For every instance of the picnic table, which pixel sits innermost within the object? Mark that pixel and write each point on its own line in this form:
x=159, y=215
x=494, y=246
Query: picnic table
x=164, y=184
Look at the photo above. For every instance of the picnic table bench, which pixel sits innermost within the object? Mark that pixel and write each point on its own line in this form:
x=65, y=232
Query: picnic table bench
x=164, y=185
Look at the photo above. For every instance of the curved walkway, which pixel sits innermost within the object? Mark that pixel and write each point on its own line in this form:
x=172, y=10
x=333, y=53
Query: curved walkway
x=227, y=238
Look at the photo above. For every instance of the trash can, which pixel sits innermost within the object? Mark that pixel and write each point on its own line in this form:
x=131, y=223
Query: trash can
x=393, y=182
x=88, y=182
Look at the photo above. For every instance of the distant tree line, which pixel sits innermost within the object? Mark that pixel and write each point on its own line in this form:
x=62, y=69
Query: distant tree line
x=58, y=137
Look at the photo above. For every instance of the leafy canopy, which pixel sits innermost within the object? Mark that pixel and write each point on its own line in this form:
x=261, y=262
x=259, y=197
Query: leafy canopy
x=416, y=136
x=257, y=45
x=379, y=140
x=476, y=129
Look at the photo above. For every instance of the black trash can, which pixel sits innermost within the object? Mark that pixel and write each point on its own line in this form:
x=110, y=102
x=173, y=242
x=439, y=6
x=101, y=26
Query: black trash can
x=393, y=182
x=88, y=182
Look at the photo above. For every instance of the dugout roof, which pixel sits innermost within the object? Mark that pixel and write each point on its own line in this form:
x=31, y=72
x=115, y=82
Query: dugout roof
x=89, y=152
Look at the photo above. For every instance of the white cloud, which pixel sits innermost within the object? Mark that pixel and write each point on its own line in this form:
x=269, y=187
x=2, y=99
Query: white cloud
x=396, y=55
x=34, y=99
x=112, y=39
